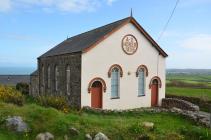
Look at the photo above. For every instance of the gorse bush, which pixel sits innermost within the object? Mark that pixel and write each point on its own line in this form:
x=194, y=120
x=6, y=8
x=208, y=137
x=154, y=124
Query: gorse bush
x=23, y=88
x=11, y=95
x=57, y=102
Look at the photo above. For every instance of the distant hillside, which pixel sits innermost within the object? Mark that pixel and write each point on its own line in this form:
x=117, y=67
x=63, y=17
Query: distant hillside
x=12, y=80
x=189, y=71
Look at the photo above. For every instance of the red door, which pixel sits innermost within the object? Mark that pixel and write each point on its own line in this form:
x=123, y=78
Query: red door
x=96, y=97
x=154, y=93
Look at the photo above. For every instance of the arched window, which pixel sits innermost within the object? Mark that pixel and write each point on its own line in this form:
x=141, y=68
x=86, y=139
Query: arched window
x=141, y=82
x=56, y=78
x=115, y=76
x=49, y=77
x=68, y=80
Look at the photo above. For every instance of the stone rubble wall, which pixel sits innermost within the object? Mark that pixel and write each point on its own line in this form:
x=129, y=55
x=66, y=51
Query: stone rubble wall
x=201, y=102
x=178, y=103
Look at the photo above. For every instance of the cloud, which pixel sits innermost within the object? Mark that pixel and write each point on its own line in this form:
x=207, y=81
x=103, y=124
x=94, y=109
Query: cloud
x=52, y=5
x=5, y=5
x=193, y=51
x=200, y=42
x=110, y=2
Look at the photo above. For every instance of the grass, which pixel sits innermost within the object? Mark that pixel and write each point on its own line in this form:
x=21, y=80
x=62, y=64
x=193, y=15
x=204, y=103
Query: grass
x=117, y=127
x=190, y=92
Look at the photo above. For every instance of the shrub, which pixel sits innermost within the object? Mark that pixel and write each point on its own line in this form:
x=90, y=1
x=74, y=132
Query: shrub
x=23, y=88
x=11, y=95
x=57, y=102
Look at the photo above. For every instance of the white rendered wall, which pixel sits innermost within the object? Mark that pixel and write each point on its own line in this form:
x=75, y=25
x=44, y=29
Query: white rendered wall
x=97, y=61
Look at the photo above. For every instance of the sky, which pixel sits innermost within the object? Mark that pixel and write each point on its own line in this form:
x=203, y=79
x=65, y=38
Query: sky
x=28, y=28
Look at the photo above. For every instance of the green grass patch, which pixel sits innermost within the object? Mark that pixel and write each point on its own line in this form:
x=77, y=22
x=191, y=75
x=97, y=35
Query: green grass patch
x=190, y=92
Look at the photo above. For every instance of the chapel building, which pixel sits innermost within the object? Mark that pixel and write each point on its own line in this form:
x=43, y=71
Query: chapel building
x=116, y=66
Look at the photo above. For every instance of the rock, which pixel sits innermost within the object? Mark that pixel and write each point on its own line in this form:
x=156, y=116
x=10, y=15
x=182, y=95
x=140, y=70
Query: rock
x=100, y=136
x=201, y=116
x=48, y=136
x=148, y=125
x=44, y=136
x=177, y=110
x=73, y=131
x=88, y=137
x=40, y=136
x=16, y=124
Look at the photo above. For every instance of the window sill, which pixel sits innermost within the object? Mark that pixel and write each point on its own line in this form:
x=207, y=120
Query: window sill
x=115, y=98
x=141, y=95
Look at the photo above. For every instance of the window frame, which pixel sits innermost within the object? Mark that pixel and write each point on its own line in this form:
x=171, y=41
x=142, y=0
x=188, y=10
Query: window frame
x=117, y=83
x=141, y=90
x=68, y=80
x=56, y=75
x=49, y=76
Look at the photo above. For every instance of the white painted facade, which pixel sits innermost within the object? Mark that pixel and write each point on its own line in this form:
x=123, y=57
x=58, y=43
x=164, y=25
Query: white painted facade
x=97, y=61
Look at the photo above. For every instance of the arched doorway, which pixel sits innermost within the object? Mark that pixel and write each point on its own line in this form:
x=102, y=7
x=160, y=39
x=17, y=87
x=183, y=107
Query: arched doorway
x=96, y=94
x=154, y=92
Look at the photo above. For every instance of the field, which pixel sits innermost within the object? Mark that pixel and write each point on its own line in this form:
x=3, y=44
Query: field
x=126, y=126
x=190, y=78
x=192, y=85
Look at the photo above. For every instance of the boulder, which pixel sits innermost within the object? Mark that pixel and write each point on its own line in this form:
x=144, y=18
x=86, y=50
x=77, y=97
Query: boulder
x=148, y=125
x=48, y=136
x=16, y=124
x=100, y=136
x=44, y=136
x=73, y=131
x=40, y=136
x=88, y=137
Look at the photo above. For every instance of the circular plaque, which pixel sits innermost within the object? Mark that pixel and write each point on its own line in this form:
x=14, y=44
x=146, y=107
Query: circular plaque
x=129, y=44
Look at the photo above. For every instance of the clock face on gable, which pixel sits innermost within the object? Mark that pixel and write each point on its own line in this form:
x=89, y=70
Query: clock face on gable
x=129, y=44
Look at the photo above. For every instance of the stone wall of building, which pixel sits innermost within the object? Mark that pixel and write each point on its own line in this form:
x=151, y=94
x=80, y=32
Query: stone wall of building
x=61, y=61
x=34, y=85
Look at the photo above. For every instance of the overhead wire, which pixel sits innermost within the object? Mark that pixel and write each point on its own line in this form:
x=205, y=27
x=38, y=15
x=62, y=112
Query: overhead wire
x=168, y=21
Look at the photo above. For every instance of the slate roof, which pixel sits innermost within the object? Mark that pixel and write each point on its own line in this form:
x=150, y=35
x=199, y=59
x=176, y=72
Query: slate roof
x=83, y=41
x=35, y=73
